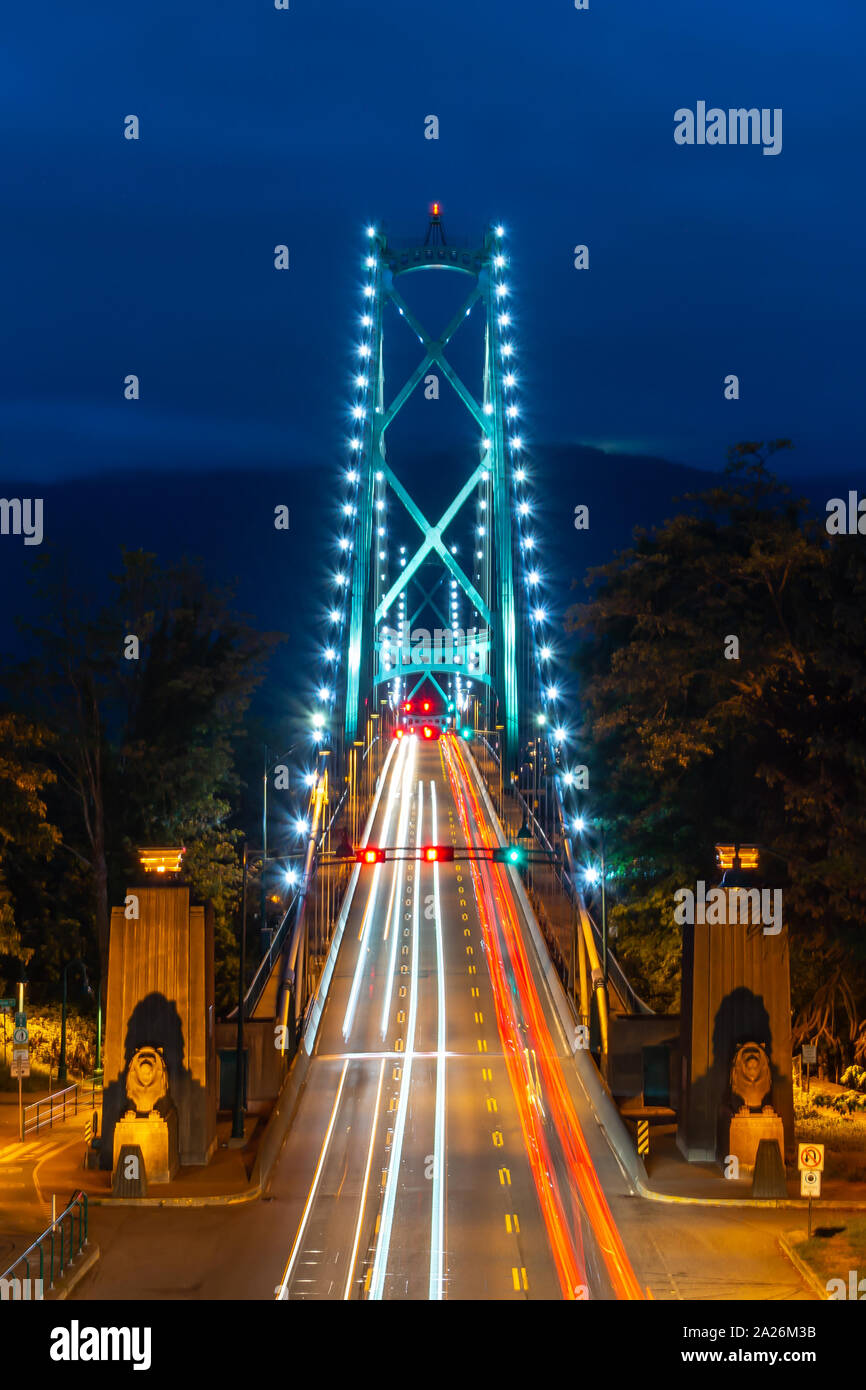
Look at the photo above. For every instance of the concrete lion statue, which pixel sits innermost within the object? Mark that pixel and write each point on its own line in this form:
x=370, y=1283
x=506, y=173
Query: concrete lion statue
x=750, y=1074
x=146, y=1081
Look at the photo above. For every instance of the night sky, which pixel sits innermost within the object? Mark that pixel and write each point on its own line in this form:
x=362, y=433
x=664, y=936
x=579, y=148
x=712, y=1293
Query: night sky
x=261, y=127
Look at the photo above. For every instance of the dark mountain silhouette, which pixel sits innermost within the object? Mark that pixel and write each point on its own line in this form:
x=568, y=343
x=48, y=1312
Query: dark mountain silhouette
x=283, y=578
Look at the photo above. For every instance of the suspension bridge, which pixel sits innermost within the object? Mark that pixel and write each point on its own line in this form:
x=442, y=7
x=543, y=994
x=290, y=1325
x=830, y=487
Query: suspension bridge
x=439, y=985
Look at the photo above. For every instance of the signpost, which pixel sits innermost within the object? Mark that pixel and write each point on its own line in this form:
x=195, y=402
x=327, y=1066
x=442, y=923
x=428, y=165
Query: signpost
x=809, y=1056
x=810, y=1161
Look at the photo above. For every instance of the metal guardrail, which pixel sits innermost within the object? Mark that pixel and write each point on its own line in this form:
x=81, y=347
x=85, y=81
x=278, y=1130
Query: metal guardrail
x=278, y=944
x=54, y=1109
x=63, y=1226
x=617, y=975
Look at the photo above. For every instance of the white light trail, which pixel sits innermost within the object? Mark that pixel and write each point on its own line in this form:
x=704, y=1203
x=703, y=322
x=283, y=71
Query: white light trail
x=347, y=1293
x=397, y=881
x=437, y=1225
x=287, y=1273
x=380, y=1263
x=371, y=900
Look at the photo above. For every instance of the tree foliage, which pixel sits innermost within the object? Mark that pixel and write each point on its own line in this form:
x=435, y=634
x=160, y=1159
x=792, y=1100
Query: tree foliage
x=687, y=748
x=144, y=697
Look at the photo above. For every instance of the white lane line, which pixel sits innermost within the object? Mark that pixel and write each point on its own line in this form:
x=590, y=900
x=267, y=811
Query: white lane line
x=348, y=1290
x=380, y=1263
x=437, y=1230
x=321, y=994
x=402, y=834
x=361, y=963
x=282, y=1292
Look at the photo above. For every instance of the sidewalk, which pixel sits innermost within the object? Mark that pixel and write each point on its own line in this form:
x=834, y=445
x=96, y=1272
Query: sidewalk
x=225, y=1179
x=670, y=1176
x=25, y=1193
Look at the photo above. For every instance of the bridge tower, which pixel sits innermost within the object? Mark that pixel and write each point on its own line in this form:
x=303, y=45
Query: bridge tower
x=375, y=634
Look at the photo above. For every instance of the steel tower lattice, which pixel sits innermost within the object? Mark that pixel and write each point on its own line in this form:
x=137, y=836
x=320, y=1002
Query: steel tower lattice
x=493, y=661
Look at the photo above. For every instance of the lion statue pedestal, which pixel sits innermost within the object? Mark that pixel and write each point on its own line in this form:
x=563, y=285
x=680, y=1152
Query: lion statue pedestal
x=751, y=1082
x=151, y=1120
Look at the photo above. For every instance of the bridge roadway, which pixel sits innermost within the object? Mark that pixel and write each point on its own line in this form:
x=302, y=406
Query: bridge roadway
x=436, y=1152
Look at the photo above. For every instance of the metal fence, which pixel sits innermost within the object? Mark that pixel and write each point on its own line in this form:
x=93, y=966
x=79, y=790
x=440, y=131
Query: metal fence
x=53, y=1110
x=59, y=1242
x=559, y=875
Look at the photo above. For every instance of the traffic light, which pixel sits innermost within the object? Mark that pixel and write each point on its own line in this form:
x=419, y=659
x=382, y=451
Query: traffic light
x=466, y=732
x=437, y=854
x=509, y=854
x=370, y=856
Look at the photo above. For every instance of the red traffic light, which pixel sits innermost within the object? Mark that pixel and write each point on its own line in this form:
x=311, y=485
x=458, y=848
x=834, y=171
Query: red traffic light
x=437, y=854
x=370, y=856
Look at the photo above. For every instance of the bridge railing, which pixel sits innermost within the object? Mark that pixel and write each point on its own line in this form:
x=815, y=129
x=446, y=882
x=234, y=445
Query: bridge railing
x=557, y=876
x=320, y=895
x=59, y=1241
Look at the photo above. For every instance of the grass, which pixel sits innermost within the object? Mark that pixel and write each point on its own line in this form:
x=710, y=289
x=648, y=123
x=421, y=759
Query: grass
x=843, y=1136
x=834, y=1254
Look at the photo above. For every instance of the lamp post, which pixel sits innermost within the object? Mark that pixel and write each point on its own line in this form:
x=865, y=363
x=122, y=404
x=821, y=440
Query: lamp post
x=61, y=1069
x=238, y=1117
x=97, y=1071
x=499, y=731
x=580, y=827
x=268, y=769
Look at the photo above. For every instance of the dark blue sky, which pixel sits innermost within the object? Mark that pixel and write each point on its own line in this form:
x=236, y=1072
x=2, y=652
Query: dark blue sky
x=260, y=126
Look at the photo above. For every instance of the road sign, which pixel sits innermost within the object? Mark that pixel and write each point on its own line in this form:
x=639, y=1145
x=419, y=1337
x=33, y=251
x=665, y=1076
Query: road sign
x=20, y=1064
x=20, y=1037
x=810, y=1156
x=810, y=1182
x=643, y=1136
x=7, y=1003
x=20, y=1020
x=810, y=1054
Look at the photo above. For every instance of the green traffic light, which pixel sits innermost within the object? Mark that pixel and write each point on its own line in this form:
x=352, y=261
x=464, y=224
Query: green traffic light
x=466, y=732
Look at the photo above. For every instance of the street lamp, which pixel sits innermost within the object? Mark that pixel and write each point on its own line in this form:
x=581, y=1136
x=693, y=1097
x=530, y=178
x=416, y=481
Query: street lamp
x=593, y=876
x=61, y=1069
x=238, y=1117
x=268, y=769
